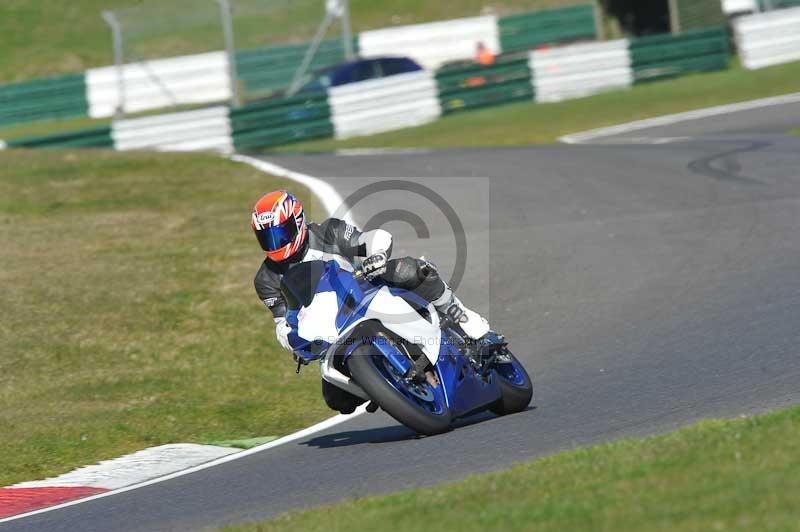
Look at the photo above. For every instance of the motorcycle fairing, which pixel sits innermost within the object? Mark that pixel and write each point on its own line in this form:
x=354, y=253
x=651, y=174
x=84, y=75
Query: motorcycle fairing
x=321, y=327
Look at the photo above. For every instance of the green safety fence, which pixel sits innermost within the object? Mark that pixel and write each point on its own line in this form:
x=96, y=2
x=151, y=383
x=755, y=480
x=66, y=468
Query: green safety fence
x=267, y=71
x=96, y=137
x=463, y=87
x=530, y=30
x=777, y=4
x=56, y=97
x=281, y=121
x=264, y=71
x=664, y=56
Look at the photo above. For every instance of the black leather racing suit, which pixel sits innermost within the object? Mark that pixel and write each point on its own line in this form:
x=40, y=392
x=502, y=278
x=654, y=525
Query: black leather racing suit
x=335, y=239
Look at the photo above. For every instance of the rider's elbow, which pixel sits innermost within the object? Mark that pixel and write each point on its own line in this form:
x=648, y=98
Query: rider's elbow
x=378, y=240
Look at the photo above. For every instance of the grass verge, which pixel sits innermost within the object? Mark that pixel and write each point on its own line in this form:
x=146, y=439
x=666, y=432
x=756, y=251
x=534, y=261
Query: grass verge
x=795, y=131
x=741, y=474
x=129, y=316
x=50, y=127
x=65, y=125
x=529, y=123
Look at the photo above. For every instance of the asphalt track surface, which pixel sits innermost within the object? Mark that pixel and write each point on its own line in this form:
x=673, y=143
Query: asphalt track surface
x=644, y=286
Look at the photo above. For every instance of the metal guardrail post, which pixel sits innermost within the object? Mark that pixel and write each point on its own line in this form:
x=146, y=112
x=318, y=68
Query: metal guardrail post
x=116, y=35
x=599, y=28
x=333, y=9
x=347, y=33
x=230, y=50
x=297, y=80
x=674, y=17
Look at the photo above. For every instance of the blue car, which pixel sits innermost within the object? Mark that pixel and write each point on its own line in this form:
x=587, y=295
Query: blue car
x=359, y=70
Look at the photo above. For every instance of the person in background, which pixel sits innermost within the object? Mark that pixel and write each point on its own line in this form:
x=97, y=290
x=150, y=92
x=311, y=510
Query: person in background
x=483, y=56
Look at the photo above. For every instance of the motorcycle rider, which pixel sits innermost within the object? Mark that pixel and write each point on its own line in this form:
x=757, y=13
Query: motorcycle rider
x=280, y=226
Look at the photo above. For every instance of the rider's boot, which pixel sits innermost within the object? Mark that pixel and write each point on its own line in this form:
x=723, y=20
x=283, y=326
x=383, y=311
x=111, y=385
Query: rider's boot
x=473, y=324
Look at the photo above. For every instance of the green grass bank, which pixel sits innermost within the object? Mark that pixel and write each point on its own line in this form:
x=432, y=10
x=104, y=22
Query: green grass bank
x=129, y=315
x=47, y=37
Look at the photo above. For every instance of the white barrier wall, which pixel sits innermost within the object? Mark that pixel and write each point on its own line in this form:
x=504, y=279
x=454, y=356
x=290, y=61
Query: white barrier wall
x=767, y=39
x=385, y=104
x=730, y=7
x=204, y=129
x=435, y=43
x=181, y=80
x=580, y=70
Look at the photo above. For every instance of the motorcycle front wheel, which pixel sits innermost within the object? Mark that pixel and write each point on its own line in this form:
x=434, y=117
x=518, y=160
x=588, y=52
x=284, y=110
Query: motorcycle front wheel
x=516, y=388
x=419, y=406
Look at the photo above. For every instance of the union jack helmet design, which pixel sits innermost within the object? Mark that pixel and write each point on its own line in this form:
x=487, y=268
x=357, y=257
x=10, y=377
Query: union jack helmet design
x=279, y=225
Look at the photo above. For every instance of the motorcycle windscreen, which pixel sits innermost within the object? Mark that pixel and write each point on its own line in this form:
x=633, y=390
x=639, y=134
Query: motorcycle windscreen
x=299, y=283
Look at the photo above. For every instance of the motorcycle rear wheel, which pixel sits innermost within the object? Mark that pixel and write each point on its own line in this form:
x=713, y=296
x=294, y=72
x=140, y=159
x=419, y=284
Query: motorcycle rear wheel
x=365, y=368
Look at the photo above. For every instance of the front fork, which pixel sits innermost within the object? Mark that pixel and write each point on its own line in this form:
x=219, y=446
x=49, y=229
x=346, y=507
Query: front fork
x=483, y=353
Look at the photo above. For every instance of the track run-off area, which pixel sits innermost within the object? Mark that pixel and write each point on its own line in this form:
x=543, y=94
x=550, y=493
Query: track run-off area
x=647, y=280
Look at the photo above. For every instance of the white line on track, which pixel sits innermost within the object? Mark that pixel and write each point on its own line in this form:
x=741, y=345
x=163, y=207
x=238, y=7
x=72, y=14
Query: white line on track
x=331, y=200
x=586, y=136
x=358, y=152
x=328, y=423
x=135, y=468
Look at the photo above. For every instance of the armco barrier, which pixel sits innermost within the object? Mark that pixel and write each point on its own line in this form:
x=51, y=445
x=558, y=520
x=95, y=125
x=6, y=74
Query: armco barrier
x=463, y=87
x=96, y=137
x=731, y=7
x=57, y=97
x=412, y=99
x=664, y=56
x=765, y=5
x=531, y=30
x=435, y=43
x=281, y=121
x=203, y=78
x=204, y=129
x=580, y=70
x=384, y=104
x=188, y=79
x=769, y=38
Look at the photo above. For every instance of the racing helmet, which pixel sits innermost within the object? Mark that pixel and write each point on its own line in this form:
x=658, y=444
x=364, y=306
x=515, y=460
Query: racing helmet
x=280, y=225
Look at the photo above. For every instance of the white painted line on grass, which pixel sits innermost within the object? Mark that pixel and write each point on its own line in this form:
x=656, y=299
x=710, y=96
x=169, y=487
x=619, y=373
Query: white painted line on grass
x=585, y=136
x=330, y=199
x=3, y=144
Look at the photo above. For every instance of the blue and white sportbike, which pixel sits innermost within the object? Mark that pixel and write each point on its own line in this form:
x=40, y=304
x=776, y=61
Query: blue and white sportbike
x=389, y=346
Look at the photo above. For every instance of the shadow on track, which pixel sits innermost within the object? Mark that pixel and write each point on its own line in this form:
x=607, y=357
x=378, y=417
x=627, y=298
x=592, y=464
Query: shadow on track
x=393, y=433
x=357, y=437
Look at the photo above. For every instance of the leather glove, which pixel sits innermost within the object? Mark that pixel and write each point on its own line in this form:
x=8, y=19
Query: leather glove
x=282, y=330
x=374, y=265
